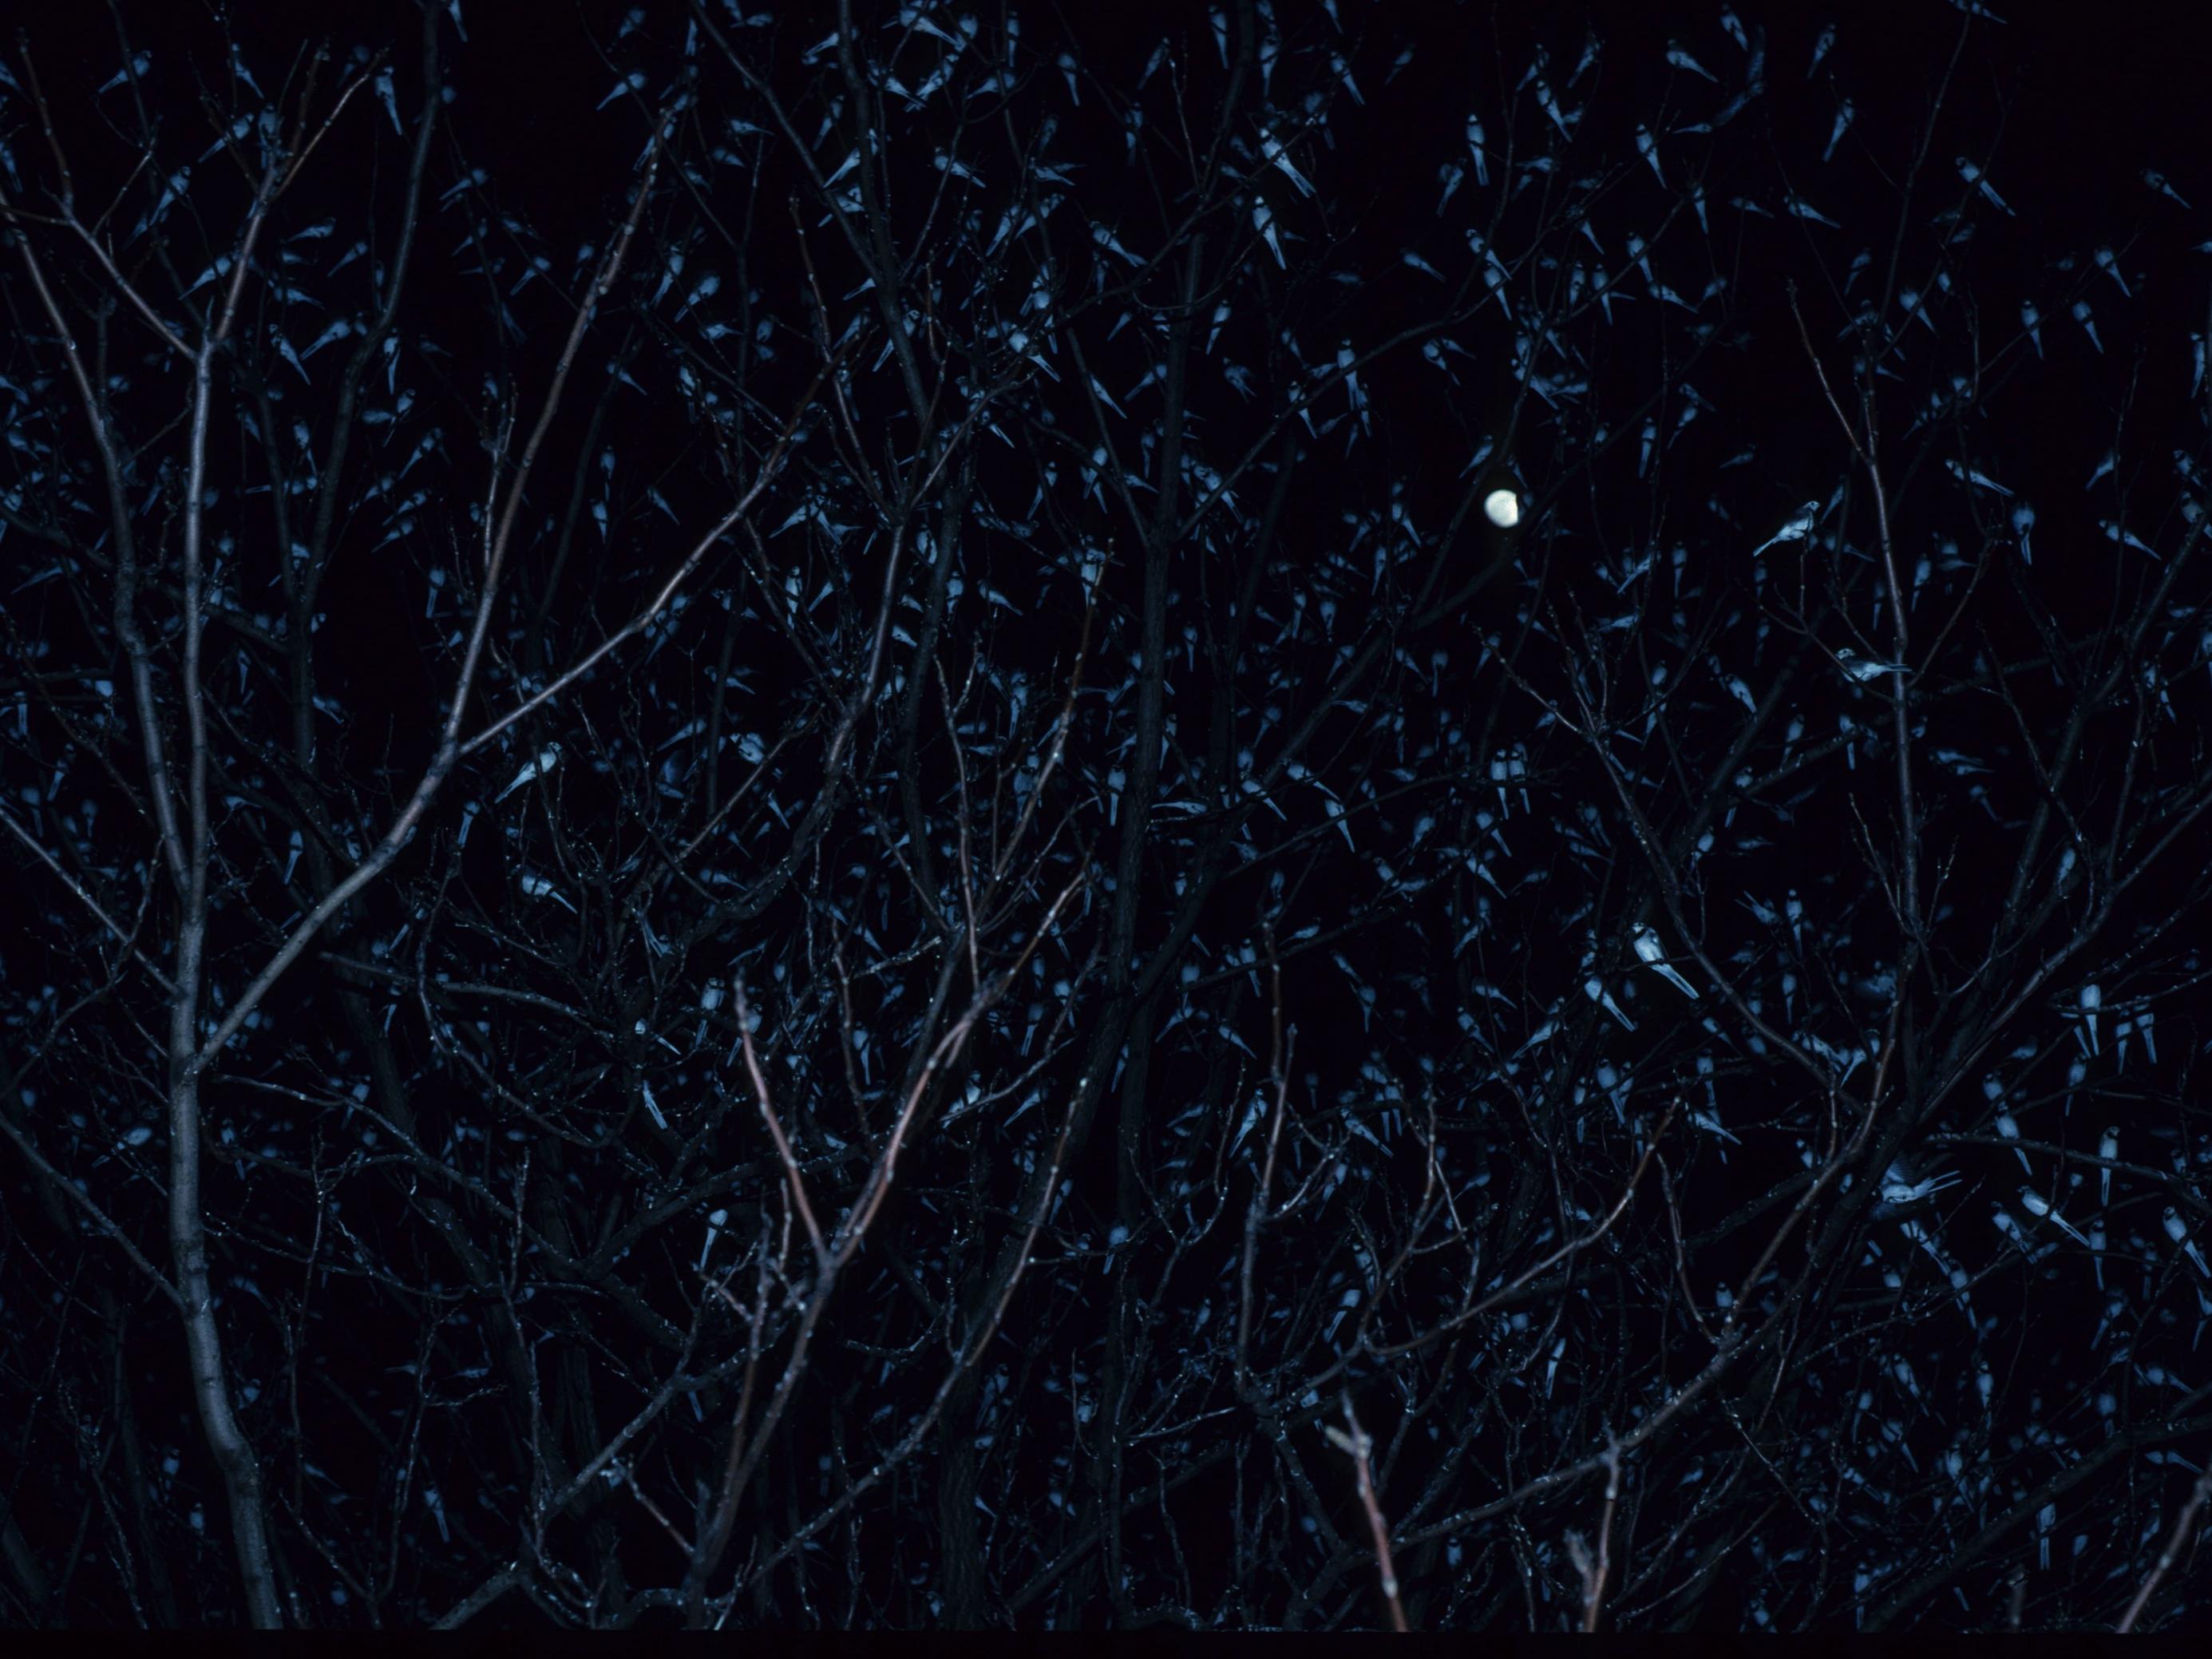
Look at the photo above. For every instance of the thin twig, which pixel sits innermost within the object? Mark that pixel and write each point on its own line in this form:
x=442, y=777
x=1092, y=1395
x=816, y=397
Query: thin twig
x=2169, y=1555
x=1357, y=1442
x=1594, y=1572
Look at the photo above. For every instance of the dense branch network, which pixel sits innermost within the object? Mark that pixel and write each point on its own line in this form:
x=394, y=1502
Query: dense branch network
x=1036, y=829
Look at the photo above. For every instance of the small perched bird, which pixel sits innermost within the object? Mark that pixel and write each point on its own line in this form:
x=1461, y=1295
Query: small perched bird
x=1822, y=44
x=1974, y=176
x=1653, y=955
x=2178, y=1230
x=1682, y=60
x=1594, y=989
x=2108, y=1149
x=2040, y=1208
x=547, y=758
x=1796, y=530
x=1903, y=1189
x=1863, y=669
x=1708, y=1119
x=1979, y=480
x=537, y=886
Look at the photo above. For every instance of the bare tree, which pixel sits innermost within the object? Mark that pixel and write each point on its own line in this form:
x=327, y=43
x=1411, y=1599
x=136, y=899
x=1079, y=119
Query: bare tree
x=818, y=849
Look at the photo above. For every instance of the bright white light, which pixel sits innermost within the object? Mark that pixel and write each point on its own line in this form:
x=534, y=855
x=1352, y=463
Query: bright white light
x=1503, y=508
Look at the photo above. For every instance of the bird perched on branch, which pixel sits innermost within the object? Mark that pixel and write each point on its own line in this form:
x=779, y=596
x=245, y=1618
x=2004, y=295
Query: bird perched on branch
x=547, y=758
x=1800, y=528
x=1906, y=1191
x=1653, y=955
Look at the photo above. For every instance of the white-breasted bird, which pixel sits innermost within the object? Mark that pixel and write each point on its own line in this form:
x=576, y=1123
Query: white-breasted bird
x=537, y=886
x=1860, y=669
x=1474, y=144
x=2041, y=1209
x=1653, y=955
x=1798, y=528
x=1682, y=60
x=1979, y=480
x=2144, y=1021
x=1595, y=990
x=1263, y=221
x=2157, y=181
x=1845, y=114
x=2108, y=1149
x=1903, y=1186
x=547, y=758
x=2089, y=321
x=1710, y=1121
x=1973, y=175
x=1821, y=42
x=2178, y=1230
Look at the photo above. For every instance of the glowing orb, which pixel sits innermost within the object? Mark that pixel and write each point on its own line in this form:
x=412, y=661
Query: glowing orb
x=1503, y=508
